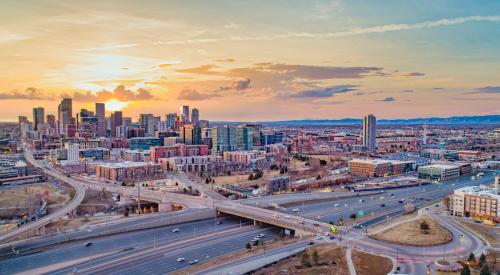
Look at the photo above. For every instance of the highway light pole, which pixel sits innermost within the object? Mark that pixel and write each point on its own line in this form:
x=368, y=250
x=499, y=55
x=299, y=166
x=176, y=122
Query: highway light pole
x=139, y=197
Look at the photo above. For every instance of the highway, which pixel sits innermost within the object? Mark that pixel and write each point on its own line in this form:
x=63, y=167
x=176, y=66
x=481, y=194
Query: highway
x=138, y=240
x=58, y=213
x=330, y=211
x=28, y=246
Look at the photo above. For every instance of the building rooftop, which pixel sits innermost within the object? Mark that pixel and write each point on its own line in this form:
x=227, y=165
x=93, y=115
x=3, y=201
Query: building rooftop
x=441, y=166
x=126, y=164
x=371, y=161
x=381, y=161
x=481, y=190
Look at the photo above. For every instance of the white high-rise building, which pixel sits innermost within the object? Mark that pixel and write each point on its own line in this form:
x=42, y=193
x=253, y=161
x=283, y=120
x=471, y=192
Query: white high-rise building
x=370, y=132
x=73, y=151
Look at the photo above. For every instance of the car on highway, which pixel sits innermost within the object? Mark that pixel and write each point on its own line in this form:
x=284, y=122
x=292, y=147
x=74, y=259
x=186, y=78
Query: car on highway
x=180, y=259
x=336, y=205
x=401, y=201
x=382, y=205
x=193, y=262
x=87, y=244
x=260, y=235
x=219, y=222
x=361, y=201
x=316, y=224
x=295, y=210
x=175, y=230
x=300, y=222
x=382, y=197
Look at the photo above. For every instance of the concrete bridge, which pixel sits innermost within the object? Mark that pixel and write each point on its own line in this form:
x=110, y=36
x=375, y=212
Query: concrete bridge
x=300, y=225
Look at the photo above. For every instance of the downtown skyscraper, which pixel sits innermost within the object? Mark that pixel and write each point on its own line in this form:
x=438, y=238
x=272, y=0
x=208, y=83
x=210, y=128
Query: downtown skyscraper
x=100, y=112
x=370, y=132
x=65, y=115
x=38, y=118
x=184, y=113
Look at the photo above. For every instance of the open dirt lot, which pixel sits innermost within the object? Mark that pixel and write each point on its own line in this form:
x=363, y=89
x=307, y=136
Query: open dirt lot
x=239, y=179
x=369, y=264
x=17, y=199
x=397, y=219
x=331, y=261
x=409, y=233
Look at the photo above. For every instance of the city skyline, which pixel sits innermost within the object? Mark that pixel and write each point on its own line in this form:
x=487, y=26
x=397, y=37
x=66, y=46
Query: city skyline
x=326, y=60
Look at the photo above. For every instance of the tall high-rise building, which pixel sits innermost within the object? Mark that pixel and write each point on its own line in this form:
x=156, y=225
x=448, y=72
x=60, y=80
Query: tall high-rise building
x=147, y=121
x=370, y=132
x=65, y=115
x=116, y=121
x=223, y=139
x=171, y=120
x=100, y=112
x=38, y=118
x=195, y=116
x=244, y=138
x=184, y=110
x=51, y=121
x=22, y=120
x=190, y=134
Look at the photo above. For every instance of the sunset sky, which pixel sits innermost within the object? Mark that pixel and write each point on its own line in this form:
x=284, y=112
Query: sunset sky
x=253, y=60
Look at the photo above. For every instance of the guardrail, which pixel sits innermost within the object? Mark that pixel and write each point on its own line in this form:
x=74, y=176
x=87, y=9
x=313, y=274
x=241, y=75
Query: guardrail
x=34, y=216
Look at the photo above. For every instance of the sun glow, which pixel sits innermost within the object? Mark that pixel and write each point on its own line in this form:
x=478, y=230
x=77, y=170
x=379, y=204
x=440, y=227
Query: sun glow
x=115, y=105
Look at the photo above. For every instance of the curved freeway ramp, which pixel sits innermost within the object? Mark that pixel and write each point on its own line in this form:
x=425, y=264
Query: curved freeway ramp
x=72, y=205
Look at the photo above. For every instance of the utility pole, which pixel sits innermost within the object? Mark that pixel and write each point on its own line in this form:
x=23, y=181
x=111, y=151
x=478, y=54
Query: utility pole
x=215, y=215
x=444, y=250
x=397, y=258
x=139, y=197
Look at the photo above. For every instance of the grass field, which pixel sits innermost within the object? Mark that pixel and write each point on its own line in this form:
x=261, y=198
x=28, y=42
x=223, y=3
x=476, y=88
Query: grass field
x=409, y=233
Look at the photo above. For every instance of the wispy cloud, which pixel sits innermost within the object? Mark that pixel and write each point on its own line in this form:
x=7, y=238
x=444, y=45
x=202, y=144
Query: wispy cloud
x=324, y=92
x=352, y=32
x=487, y=90
x=30, y=93
x=412, y=74
x=194, y=95
x=110, y=47
x=120, y=93
x=388, y=99
x=238, y=85
x=8, y=36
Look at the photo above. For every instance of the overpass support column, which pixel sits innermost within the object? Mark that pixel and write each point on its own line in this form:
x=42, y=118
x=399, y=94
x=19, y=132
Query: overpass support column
x=124, y=200
x=164, y=207
x=40, y=231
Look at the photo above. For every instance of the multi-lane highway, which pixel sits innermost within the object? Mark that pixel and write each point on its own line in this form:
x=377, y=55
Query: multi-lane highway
x=138, y=241
x=387, y=202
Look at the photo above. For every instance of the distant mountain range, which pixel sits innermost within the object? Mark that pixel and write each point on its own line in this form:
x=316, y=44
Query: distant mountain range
x=488, y=119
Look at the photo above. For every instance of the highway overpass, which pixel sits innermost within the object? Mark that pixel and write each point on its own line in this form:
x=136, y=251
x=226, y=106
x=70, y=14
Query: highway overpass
x=56, y=215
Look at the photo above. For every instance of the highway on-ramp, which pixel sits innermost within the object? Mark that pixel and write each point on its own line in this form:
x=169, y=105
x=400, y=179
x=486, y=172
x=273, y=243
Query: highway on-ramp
x=57, y=214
